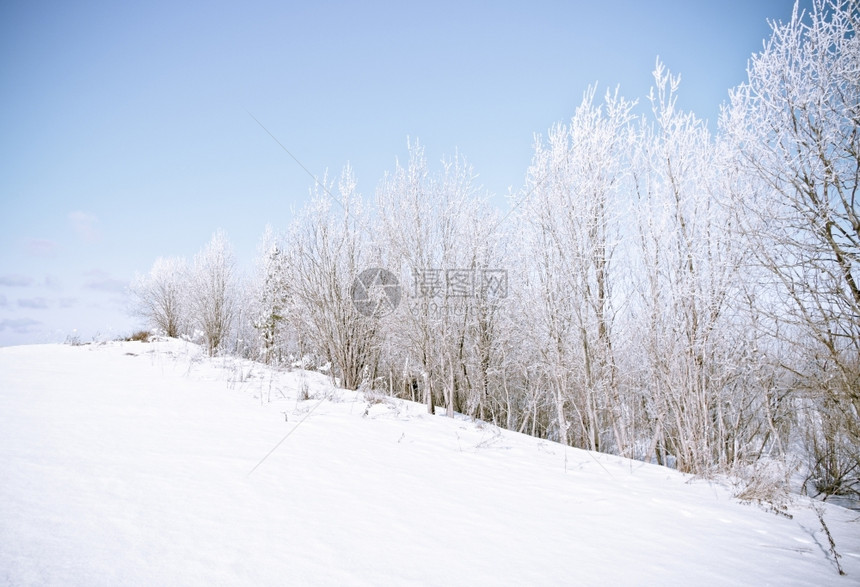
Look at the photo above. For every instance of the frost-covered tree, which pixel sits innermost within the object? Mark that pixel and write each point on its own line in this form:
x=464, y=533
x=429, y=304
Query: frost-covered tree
x=794, y=126
x=270, y=297
x=161, y=296
x=213, y=295
x=688, y=266
x=571, y=220
x=326, y=251
x=483, y=345
x=431, y=230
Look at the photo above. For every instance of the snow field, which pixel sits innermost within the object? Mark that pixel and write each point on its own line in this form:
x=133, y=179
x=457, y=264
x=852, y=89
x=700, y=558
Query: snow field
x=130, y=463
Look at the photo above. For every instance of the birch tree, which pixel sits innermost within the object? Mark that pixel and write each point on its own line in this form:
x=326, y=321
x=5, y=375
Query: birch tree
x=161, y=296
x=213, y=297
x=572, y=217
x=424, y=220
x=795, y=129
x=689, y=263
x=326, y=251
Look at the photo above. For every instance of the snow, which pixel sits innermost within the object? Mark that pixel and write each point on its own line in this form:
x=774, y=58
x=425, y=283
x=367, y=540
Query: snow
x=134, y=464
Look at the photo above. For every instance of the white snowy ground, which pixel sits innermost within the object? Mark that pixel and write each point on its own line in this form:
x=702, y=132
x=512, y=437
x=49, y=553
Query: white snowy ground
x=128, y=464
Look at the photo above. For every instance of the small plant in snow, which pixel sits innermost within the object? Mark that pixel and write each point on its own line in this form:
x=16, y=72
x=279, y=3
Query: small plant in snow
x=764, y=483
x=139, y=336
x=374, y=396
x=304, y=390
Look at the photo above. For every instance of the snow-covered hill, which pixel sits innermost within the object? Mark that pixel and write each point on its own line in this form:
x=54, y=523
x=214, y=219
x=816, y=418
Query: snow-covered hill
x=134, y=464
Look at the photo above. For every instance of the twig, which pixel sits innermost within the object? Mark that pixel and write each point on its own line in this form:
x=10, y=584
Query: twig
x=836, y=556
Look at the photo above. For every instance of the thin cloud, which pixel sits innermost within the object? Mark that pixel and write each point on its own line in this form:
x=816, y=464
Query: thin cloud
x=33, y=303
x=68, y=302
x=3, y=302
x=53, y=282
x=85, y=226
x=20, y=325
x=16, y=280
x=102, y=281
x=40, y=247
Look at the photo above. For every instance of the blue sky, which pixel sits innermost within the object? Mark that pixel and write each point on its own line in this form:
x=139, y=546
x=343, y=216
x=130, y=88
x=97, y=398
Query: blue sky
x=125, y=133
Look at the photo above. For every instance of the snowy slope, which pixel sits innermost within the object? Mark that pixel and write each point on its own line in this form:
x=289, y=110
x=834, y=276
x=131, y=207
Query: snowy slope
x=130, y=464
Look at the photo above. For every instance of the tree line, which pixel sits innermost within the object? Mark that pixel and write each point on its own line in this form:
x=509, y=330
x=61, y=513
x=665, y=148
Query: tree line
x=655, y=290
